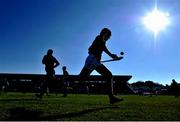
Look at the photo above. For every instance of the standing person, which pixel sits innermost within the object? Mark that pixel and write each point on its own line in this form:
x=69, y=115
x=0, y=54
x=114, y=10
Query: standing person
x=93, y=62
x=65, y=83
x=50, y=63
x=4, y=85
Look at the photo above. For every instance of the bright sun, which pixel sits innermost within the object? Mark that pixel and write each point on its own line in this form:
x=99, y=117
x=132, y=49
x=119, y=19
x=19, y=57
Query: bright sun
x=156, y=21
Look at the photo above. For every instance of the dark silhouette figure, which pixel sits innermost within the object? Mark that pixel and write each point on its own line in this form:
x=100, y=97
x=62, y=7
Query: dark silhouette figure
x=4, y=86
x=65, y=83
x=50, y=63
x=175, y=88
x=93, y=62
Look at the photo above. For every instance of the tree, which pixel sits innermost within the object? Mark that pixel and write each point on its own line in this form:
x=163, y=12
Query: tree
x=150, y=85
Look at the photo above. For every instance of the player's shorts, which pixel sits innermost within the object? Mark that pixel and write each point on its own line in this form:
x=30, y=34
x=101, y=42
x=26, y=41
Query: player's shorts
x=91, y=62
x=50, y=71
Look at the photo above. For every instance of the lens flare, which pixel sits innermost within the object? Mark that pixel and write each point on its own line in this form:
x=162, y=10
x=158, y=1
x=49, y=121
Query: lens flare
x=156, y=21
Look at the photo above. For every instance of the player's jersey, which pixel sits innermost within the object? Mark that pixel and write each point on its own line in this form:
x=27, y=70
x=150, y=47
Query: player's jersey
x=97, y=47
x=65, y=73
x=49, y=62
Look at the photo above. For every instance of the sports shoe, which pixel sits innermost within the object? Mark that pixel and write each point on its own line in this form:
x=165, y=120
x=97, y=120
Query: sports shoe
x=113, y=100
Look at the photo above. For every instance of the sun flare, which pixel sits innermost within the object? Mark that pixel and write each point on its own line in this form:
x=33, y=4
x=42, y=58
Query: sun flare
x=156, y=21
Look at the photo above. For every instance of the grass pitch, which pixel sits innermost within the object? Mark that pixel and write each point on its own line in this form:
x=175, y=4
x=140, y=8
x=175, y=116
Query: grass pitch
x=75, y=107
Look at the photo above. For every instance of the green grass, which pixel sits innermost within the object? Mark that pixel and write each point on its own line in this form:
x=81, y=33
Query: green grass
x=24, y=106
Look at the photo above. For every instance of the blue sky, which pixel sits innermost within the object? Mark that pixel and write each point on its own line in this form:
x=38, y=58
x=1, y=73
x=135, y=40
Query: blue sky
x=29, y=27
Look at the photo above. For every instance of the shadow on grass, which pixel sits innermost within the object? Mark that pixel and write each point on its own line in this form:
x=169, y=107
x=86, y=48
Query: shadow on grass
x=74, y=114
x=22, y=99
x=21, y=114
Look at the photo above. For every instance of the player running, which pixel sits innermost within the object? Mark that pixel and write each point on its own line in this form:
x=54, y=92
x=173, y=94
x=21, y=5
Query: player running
x=93, y=62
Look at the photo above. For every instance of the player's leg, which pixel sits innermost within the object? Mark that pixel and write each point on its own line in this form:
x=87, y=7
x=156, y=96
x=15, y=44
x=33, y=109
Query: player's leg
x=85, y=72
x=83, y=76
x=108, y=75
x=64, y=87
x=44, y=84
x=90, y=65
x=43, y=89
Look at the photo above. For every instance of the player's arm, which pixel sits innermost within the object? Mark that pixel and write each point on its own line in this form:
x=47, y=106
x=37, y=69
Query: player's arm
x=43, y=60
x=114, y=56
x=56, y=63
